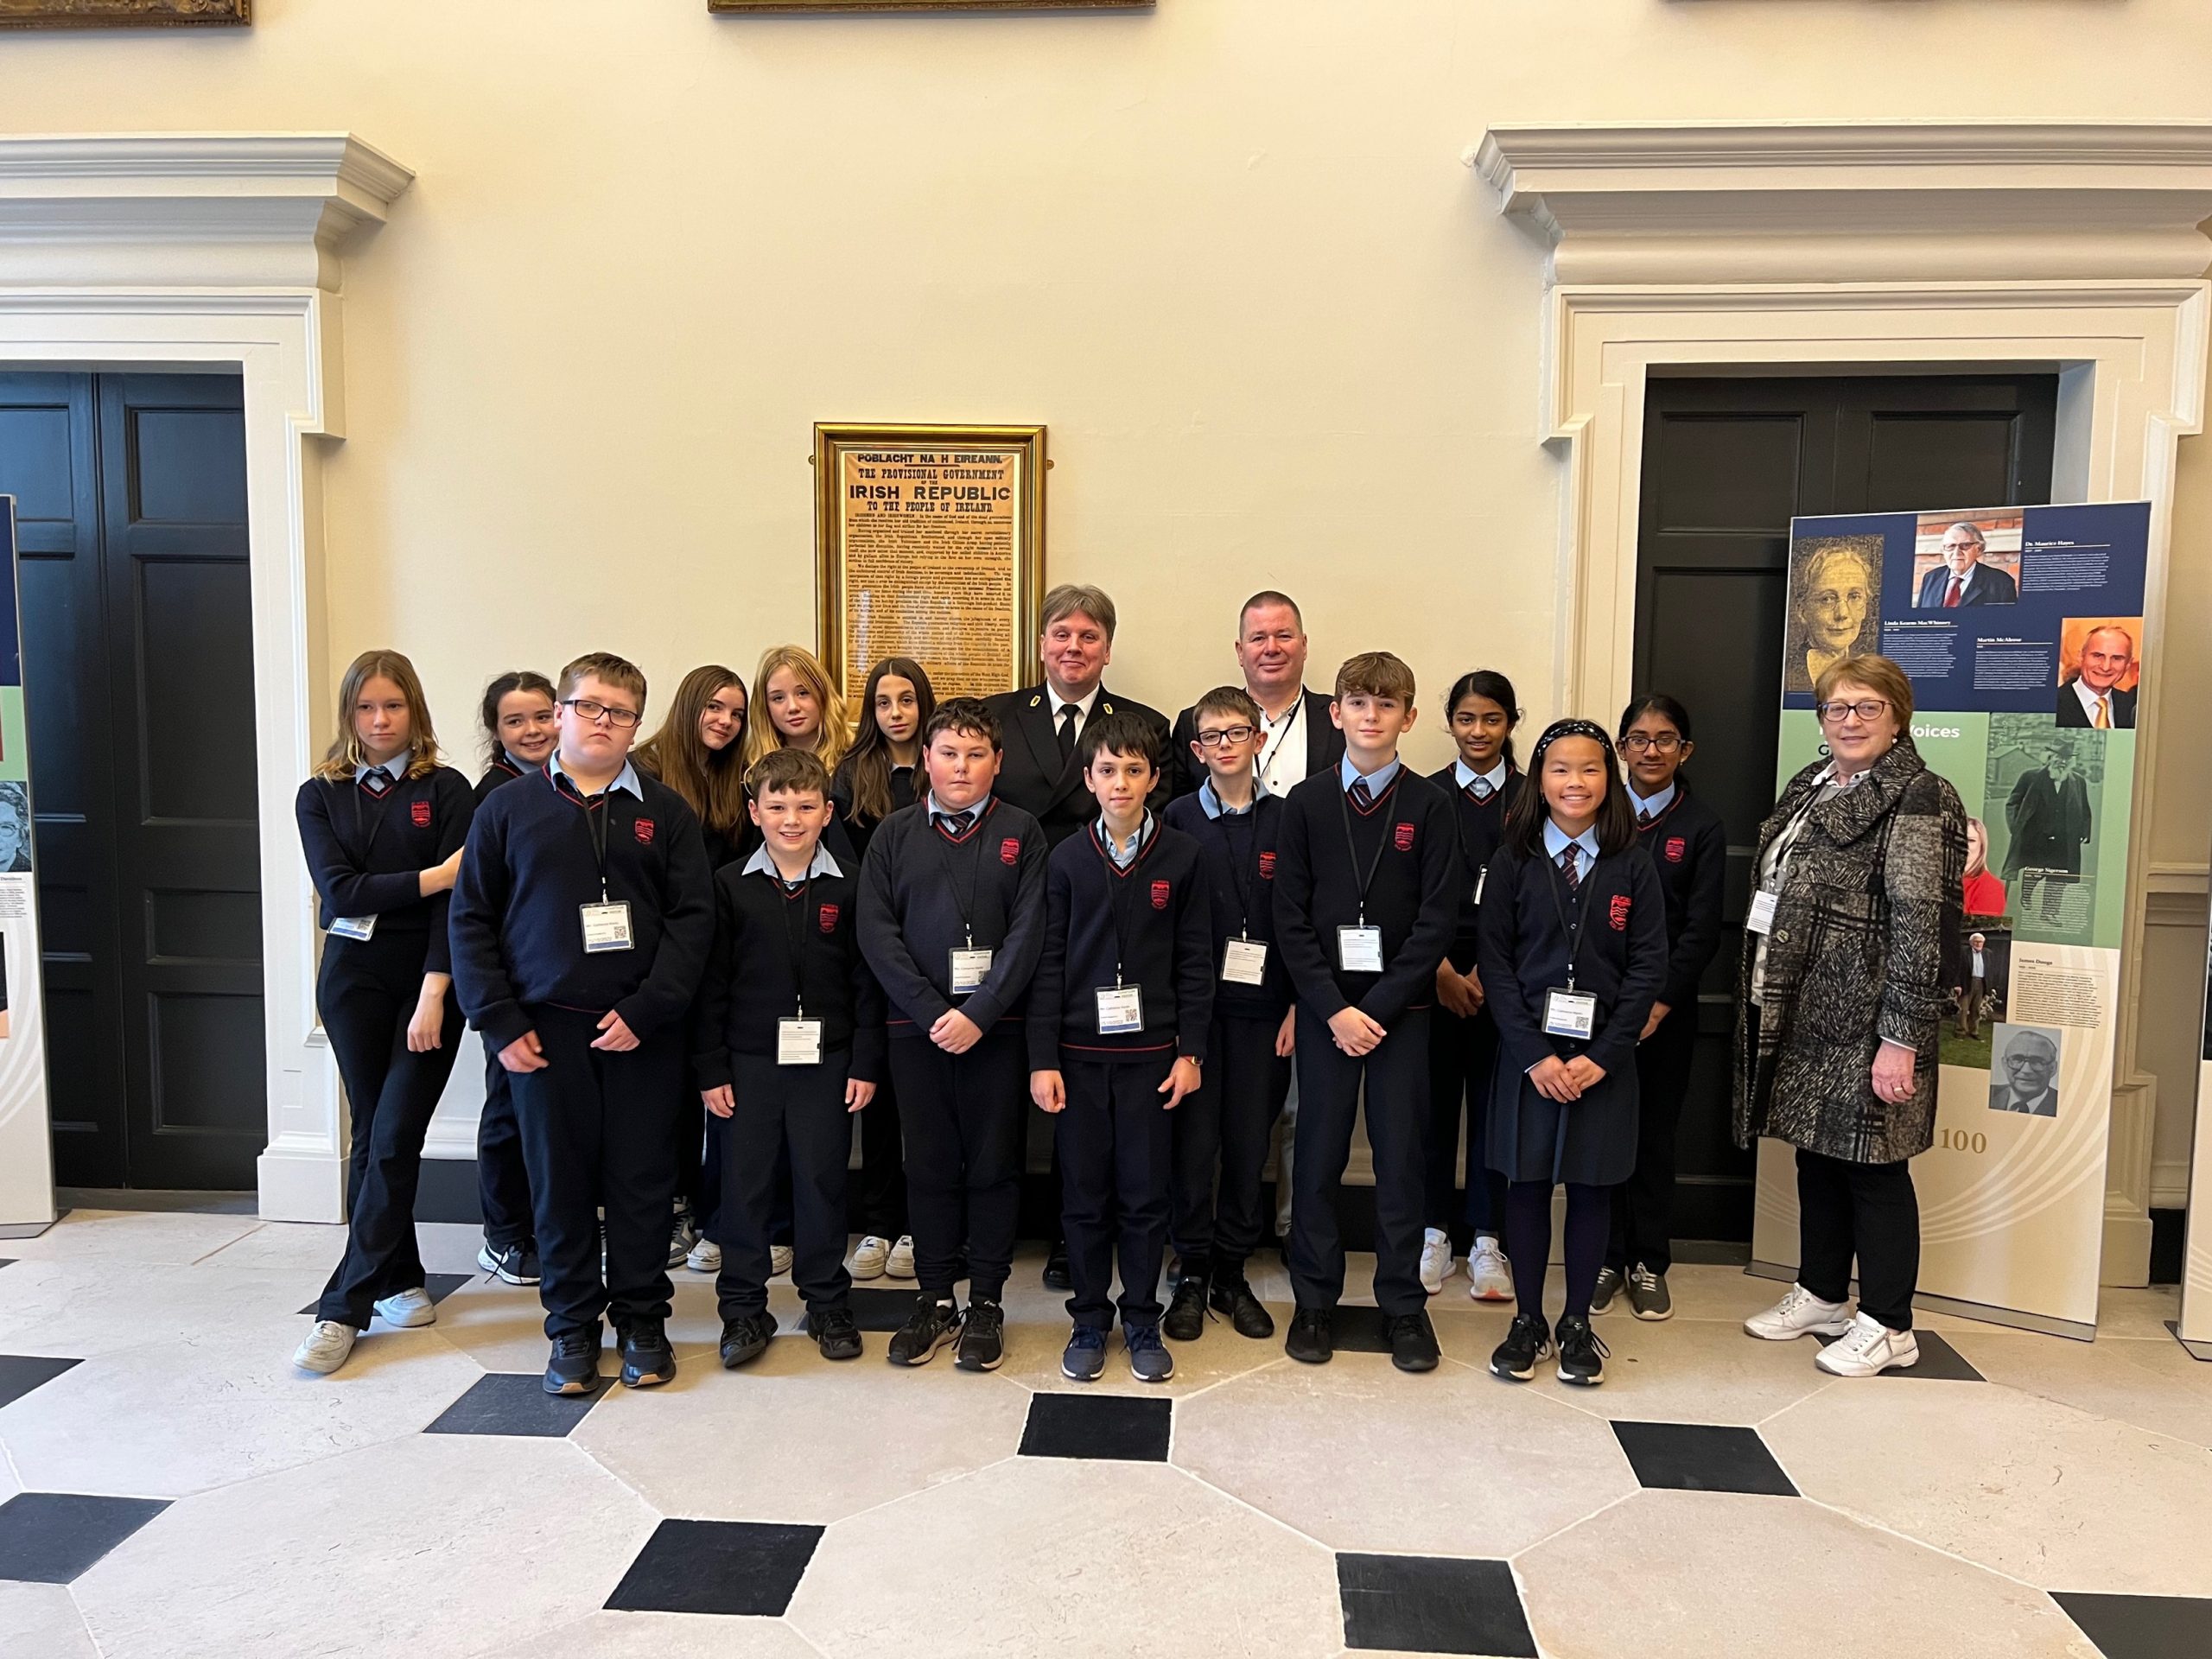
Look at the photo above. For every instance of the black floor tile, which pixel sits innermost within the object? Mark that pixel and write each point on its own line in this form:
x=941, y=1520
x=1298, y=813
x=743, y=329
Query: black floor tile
x=881, y=1310
x=503, y=1403
x=2141, y=1627
x=21, y=1373
x=1109, y=1425
x=51, y=1537
x=1424, y=1603
x=1699, y=1457
x=748, y=1567
x=439, y=1285
x=1358, y=1330
x=1939, y=1361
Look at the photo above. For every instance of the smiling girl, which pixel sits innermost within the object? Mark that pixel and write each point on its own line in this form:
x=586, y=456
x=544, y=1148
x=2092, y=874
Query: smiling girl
x=876, y=777
x=799, y=708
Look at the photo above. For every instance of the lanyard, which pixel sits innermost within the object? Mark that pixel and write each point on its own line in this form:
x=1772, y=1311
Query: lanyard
x=1344, y=801
x=1119, y=883
x=360, y=812
x=967, y=906
x=1582, y=912
x=794, y=905
x=1237, y=861
x=594, y=810
x=1281, y=737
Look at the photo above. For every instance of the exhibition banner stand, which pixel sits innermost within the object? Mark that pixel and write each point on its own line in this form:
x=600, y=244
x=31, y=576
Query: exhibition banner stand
x=2194, y=1328
x=26, y=1137
x=2022, y=630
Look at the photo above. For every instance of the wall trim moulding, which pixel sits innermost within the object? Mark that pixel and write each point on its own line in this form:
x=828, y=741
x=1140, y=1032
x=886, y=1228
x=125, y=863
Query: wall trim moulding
x=224, y=251
x=1874, y=247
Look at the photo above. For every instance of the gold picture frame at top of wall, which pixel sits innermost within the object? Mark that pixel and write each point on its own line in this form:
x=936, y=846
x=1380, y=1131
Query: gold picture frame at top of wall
x=732, y=8
x=930, y=543
x=125, y=13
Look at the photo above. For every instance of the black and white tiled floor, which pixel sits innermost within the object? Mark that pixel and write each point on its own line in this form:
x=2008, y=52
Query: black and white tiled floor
x=168, y=1486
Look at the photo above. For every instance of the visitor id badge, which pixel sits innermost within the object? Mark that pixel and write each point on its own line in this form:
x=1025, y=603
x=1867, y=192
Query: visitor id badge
x=1760, y=920
x=1121, y=1010
x=1359, y=949
x=971, y=967
x=798, y=1042
x=606, y=926
x=1244, y=961
x=363, y=928
x=1569, y=1014
x=1481, y=876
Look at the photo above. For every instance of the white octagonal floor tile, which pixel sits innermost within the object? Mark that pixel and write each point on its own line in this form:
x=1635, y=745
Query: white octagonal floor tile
x=41, y=1621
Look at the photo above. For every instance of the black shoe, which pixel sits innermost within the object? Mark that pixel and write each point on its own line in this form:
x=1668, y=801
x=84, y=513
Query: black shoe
x=1607, y=1287
x=647, y=1360
x=983, y=1337
x=746, y=1337
x=1056, y=1268
x=1582, y=1354
x=1312, y=1335
x=835, y=1334
x=573, y=1367
x=1186, y=1314
x=1247, y=1316
x=928, y=1328
x=514, y=1264
x=1413, y=1342
x=1525, y=1346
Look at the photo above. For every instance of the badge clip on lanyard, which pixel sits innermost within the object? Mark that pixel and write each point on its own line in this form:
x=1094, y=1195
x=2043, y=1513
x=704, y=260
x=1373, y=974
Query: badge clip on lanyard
x=362, y=928
x=1120, y=1007
x=968, y=967
x=1243, y=959
x=798, y=1039
x=607, y=923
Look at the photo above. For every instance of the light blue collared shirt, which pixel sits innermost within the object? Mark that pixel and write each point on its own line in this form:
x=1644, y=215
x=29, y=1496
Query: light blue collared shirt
x=970, y=813
x=625, y=778
x=1557, y=840
x=1377, y=781
x=761, y=864
x=395, y=768
x=1467, y=776
x=1210, y=802
x=1124, y=853
x=1654, y=805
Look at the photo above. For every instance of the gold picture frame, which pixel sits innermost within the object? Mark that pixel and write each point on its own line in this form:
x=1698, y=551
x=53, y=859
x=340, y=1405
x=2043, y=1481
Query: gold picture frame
x=732, y=8
x=125, y=13
x=928, y=542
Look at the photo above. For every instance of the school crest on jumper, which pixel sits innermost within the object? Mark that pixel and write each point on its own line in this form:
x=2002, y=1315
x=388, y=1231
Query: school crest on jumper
x=1159, y=895
x=643, y=829
x=419, y=812
x=1676, y=846
x=1010, y=850
x=1616, y=912
x=1267, y=867
x=827, y=916
x=1402, y=837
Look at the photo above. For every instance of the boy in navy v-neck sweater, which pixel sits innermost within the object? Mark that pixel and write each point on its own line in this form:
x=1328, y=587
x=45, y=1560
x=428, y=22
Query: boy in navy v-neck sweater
x=1118, y=1019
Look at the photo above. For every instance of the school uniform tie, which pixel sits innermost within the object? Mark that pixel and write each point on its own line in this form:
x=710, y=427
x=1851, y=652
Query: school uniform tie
x=1568, y=867
x=1643, y=816
x=1362, y=797
x=1069, y=712
x=954, y=825
x=1480, y=790
x=376, y=782
x=2103, y=721
x=1952, y=593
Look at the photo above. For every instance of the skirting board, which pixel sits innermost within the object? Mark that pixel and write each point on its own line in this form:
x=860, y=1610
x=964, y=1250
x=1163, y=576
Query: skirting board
x=1957, y=1309
x=2194, y=1350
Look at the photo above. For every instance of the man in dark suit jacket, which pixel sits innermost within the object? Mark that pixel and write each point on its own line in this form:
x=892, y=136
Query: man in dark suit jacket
x=1040, y=773
x=2108, y=654
x=2022, y=1080
x=1976, y=583
x=1299, y=738
x=2051, y=819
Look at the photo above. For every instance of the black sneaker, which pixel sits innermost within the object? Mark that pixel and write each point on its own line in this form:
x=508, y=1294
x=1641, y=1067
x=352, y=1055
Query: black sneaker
x=1582, y=1355
x=1186, y=1314
x=928, y=1328
x=513, y=1264
x=747, y=1337
x=1609, y=1286
x=574, y=1366
x=1150, y=1360
x=1413, y=1342
x=1085, y=1357
x=1247, y=1316
x=834, y=1332
x=1648, y=1297
x=1056, y=1268
x=1312, y=1335
x=647, y=1360
x=983, y=1338
x=1526, y=1346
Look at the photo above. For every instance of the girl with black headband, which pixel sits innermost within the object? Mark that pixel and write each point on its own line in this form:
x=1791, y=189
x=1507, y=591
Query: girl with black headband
x=1573, y=948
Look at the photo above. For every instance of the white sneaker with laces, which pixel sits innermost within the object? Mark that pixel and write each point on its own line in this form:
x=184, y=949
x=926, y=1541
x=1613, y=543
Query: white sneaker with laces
x=900, y=1262
x=871, y=1258
x=1799, y=1314
x=1489, y=1275
x=705, y=1256
x=779, y=1259
x=326, y=1347
x=1868, y=1349
x=1435, y=1259
x=408, y=1308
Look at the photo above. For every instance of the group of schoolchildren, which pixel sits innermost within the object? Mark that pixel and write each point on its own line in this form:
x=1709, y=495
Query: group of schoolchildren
x=748, y=915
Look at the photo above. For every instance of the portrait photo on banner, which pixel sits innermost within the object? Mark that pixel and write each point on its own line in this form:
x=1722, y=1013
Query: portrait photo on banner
x=1977, y=987
x=2026, y=1078
x=1967, y=558
x=1835, y=589
x=2041, y=787
x=2100, y=663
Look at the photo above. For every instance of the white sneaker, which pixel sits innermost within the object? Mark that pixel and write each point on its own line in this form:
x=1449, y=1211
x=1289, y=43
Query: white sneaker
x=870, y=1259
x=779, y=1260
x=900, y=1262
x=1868, y=1349
x=326, y=1347
x=1489, y=1275
x=1800, y=1314
x=1435, y=1260
x=705, y=1256
x=409, y=1308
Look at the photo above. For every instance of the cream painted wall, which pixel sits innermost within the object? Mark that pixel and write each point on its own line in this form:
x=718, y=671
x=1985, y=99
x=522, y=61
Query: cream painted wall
x=1226, y=249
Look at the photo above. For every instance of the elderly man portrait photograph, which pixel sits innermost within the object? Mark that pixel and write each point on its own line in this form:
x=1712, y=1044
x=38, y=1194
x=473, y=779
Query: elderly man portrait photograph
x=1962, y=578
x=2051, y=819
x=1835, y=605
x=2026, y=1078
x=2093, y=696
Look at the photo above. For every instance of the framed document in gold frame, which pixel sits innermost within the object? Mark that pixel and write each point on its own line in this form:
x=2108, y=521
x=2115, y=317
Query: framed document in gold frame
x=929, y=544
x=123, y=14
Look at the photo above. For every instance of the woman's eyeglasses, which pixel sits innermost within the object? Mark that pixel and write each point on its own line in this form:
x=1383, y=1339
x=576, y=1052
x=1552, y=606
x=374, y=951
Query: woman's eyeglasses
x=1663, y=743
x=1867, y=709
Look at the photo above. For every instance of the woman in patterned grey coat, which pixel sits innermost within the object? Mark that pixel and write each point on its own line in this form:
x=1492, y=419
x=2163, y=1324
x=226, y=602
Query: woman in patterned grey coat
x=1858, y=875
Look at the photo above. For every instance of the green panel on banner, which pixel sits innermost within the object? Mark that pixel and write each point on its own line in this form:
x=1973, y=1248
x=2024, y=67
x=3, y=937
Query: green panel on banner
x=2116, y=816
x=15, y=741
